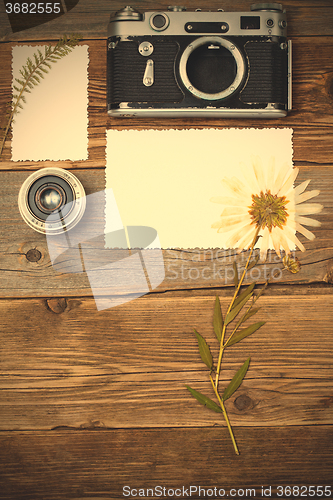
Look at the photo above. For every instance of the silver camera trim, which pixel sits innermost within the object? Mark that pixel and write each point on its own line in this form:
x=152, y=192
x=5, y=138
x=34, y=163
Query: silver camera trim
x=126, y=110
x=77, y=210
x=223, y=42
x=127, y=27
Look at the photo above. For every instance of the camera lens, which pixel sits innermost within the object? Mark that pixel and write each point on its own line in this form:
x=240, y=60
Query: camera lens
x=270, y=23
x=51, y=200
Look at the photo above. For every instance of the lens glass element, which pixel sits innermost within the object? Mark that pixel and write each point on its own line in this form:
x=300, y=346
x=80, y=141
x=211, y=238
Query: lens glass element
x=50, y=197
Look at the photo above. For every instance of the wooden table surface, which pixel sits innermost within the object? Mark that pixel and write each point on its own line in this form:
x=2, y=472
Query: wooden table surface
x=94, y=401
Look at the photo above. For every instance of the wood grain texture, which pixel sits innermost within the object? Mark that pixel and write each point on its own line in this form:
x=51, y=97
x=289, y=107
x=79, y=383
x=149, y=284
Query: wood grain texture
x=65, y=364
x=306, y=18
x=97, y=464
x=311, y=118
x=96, y=108
x=184, y=269
x=93, y=401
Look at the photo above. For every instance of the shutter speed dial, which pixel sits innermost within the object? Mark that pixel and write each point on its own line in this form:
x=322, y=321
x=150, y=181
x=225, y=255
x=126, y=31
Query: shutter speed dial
x=267, y=6
x=176, y=8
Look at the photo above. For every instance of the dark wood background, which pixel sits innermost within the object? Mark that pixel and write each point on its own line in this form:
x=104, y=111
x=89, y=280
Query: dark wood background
x=93, y=401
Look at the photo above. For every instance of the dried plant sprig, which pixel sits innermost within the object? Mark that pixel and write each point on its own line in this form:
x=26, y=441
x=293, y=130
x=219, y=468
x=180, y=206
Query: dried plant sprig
x=237, y=304
x=242, y=304
x=33, y=71
x=270, y=216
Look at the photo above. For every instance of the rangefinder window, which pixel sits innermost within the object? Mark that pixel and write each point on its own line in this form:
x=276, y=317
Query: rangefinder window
x=250, y=22
x=220, y=27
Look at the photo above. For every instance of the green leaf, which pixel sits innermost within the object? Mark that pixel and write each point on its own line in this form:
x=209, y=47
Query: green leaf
x=257, y=238
x=254, y=262
x=244, y=294
x=204, y=350
x=236, y=381
x=218, y=319
x=250, y=313
x=234, y=265
x=238, y=336
x=235, y=310
x=261, y=291
x=204, y=400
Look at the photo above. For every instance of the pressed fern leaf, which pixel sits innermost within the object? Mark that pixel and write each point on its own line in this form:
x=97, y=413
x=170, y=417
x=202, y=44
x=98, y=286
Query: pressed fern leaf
x=33, y=71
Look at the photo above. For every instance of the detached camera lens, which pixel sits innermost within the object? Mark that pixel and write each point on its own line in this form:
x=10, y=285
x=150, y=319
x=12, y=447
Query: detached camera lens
x=51, y=200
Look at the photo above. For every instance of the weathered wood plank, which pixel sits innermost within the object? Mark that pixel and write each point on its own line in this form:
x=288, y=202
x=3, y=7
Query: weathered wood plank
x=311, y=117
x=89, y=465
x=128, y=366
x=184, y=269
x=96, y=109
x=305, y=17
x=144, y=401
x=66, y=365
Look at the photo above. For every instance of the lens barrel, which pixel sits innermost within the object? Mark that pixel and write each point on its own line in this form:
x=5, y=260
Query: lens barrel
x=52, y=200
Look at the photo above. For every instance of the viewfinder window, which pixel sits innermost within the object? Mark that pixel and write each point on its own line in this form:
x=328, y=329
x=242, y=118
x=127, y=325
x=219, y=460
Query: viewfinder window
x=250, y=22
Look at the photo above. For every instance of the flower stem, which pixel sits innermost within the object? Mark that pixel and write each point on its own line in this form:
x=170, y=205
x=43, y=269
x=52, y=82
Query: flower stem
x=225, y=416
x=222, y=344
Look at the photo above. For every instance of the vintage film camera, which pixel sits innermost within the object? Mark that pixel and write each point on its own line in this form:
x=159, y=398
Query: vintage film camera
x=179, y=63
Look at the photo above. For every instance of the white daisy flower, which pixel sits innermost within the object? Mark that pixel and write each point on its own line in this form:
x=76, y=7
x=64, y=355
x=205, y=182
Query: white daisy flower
x=266, y=199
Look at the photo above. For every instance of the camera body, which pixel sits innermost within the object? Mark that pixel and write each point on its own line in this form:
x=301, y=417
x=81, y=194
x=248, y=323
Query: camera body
x=180, y=63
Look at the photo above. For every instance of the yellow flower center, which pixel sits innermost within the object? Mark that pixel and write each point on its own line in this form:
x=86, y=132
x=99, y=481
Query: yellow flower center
x=268, y=210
